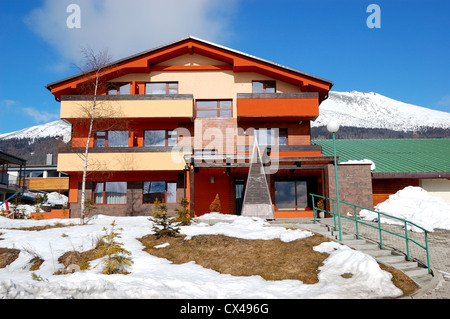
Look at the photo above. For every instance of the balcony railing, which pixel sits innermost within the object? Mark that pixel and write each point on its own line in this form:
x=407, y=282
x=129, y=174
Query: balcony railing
x=129, y=106
x=277, y=105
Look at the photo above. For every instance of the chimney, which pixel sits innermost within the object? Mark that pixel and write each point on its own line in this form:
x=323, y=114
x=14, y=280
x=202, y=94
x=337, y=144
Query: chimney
x=49, y=159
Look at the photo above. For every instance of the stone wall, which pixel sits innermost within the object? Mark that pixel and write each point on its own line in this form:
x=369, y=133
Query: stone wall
x=355, y=185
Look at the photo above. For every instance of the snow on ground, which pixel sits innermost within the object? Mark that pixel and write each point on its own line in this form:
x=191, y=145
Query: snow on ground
x=415, y=205
x=153, y=277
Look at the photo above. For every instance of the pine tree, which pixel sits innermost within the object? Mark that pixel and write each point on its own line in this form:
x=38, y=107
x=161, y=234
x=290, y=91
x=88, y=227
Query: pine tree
x=215, y=205
x=116, y=260
x=163, y=225
x=184, y=214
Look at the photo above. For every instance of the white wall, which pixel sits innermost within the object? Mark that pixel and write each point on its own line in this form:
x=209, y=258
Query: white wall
x=437, y=187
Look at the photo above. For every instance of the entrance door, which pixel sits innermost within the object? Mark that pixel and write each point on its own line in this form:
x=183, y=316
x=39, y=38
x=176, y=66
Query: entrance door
x=239, y=190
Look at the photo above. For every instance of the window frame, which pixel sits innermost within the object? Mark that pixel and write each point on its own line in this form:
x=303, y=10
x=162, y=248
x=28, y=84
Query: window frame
x=115, y=86
x=166, y=183
x=296, y=195
x=169, y=86
x=167, y=137
x=106, y=138
x=282, y=133
x=104, y=201
x=218, y=108
x=267, y=84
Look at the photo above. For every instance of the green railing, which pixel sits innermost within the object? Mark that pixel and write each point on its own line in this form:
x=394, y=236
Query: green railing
x=380, y=230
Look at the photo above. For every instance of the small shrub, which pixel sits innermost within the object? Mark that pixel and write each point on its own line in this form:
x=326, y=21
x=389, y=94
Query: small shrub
x=163, y=225
x=215, y=205
x=184, y=214
x=116, y=260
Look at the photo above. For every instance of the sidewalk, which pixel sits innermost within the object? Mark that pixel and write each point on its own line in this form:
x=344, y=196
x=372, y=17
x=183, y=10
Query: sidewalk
x=439, y=246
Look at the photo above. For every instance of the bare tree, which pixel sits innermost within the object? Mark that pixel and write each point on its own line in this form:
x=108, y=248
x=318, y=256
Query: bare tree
x=95, y=64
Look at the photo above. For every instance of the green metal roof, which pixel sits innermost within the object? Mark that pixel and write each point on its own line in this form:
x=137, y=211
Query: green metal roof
x=394, y=155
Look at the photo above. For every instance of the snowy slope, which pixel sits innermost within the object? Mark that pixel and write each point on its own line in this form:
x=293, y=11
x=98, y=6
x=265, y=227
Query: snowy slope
x=51, y=129
x=372, y=110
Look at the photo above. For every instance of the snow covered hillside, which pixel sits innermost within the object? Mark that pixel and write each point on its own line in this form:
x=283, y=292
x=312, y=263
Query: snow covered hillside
x=51, y=129
x=372, y=110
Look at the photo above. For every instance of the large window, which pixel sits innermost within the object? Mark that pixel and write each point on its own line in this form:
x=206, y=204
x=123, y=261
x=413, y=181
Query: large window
x=291, y=195
x=160, y=138
x=165, y=192
x=110, y=193
x=214, y=108
x=111, y=139
x=161, y=88
x=118, y=88
x=264, y=87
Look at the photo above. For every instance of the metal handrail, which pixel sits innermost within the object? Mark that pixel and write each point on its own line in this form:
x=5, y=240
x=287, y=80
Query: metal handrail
x=380, y=229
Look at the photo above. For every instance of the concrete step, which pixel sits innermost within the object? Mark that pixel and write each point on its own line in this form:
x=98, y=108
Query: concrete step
x=376, y=252
x=405, y=265
x=391, y=259
x=416, y=272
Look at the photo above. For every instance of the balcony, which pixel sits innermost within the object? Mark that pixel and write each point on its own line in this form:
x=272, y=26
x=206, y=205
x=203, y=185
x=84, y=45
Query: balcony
x=124, y=159
x=277, y=106
x=129, y=106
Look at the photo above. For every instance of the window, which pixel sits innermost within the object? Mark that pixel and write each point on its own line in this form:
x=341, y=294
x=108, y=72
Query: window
x=161, y=88
x=111, y=139
x=117, y=138
x=265, y=136
x=34, y=174
x=291, y=195
x=160, y=138
x=214, y=108
x=118, y=88
x=268, y=136
x=100, y=139
x=163, y=191
x=110, y=193
x=264, y=87
x=282, y=136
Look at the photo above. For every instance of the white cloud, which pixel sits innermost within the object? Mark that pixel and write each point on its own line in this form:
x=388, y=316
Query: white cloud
x=126, y=27
x=40, y=116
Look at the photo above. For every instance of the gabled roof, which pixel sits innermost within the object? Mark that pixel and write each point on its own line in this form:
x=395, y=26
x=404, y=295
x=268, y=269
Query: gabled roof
x=395, y=158
x=238, y=61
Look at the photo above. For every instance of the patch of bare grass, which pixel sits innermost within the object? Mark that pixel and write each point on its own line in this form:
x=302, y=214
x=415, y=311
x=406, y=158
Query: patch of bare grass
x=40, y=228
x=81, y=259
x=270, y=259
x=7, y=256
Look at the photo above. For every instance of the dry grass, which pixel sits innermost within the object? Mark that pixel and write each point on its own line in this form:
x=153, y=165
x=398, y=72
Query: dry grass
x=78, y=258
x=271, y=259
x=39, y=228
x=7, y=256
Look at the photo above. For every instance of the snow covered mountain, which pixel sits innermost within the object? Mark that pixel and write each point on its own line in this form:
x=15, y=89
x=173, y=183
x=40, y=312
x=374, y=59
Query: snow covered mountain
x=372, y=110
x=51, y=129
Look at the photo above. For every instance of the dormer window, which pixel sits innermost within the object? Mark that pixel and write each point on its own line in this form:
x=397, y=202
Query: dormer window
x=161, y=88
x=264, y=87
x=118, y=88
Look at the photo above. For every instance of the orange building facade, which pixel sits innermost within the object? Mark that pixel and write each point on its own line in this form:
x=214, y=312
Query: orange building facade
x=180, y=121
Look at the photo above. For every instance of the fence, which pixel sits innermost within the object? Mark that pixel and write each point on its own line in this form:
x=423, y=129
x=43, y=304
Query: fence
x=386, y=230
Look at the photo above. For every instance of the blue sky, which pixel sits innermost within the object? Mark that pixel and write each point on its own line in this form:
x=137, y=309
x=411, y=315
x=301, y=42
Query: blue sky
x=407, y=59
